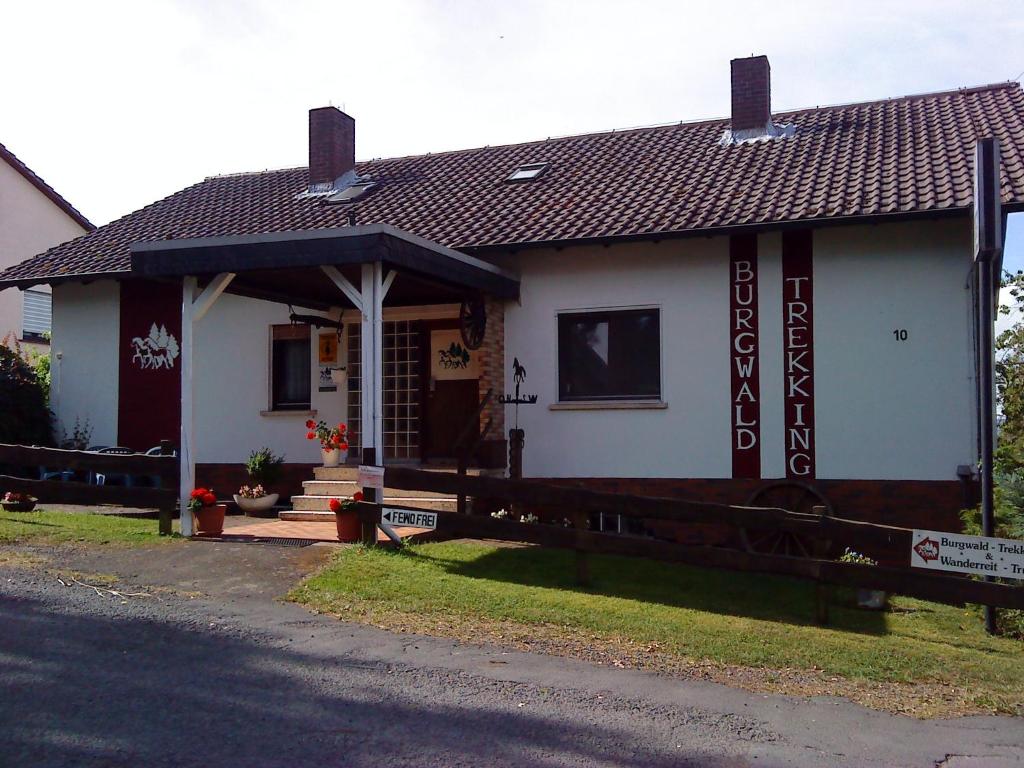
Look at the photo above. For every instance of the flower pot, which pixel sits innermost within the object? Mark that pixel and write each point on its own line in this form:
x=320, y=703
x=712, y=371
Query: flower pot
x=331, y=458
x=210, y=520
x=251, y=506
x=872, y=599
x=18, y=506
x=348, y=526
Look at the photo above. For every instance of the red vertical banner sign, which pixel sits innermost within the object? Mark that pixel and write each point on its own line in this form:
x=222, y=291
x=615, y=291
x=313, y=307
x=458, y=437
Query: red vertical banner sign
x=149, y=374
x=744, y=370
x=798, y=351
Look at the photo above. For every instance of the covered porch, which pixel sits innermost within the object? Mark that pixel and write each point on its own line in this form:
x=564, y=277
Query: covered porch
x=353, y=277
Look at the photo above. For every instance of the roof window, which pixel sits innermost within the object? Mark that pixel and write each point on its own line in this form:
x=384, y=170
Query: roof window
x=352, y=192
x=527, y=172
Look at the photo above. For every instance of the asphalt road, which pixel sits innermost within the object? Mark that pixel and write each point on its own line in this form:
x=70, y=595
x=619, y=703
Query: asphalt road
x=237, y=678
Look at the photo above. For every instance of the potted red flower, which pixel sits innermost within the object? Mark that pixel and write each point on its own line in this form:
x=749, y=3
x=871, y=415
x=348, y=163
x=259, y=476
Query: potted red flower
x=333, y=441
x=346, y=518
x=13, y=501
x=207, y=513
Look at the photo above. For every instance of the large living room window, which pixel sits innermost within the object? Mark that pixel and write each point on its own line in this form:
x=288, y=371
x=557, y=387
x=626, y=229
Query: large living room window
x=290, y=363
x=609, y=355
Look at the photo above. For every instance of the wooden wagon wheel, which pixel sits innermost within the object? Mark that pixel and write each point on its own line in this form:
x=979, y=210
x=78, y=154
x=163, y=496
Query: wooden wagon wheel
x=473, y=322
x=791, y=495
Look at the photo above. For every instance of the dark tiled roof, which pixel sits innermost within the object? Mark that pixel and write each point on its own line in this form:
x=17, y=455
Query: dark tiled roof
x=898, y=156
x=11, y=159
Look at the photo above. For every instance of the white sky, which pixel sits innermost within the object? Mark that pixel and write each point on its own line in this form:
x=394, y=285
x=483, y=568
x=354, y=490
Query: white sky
x=117, y=104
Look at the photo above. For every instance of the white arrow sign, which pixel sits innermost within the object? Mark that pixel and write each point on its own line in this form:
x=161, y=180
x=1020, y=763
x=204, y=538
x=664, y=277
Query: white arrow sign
x=412, y=518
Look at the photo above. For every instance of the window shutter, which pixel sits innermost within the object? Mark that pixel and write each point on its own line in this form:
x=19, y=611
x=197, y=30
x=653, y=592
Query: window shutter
x=35, y=318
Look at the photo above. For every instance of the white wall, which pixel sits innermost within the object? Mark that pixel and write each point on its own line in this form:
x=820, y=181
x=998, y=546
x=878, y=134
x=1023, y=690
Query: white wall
x=884, y=409
x=890, y=409
x=86, y=327
x=688, y=280
x=29, y=224
x=231, y=369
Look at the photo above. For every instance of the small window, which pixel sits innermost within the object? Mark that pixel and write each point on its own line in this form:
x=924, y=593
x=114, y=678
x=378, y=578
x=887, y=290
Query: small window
x=290, y=364
x=35, y=315
x=527, y=172
x=609, y=355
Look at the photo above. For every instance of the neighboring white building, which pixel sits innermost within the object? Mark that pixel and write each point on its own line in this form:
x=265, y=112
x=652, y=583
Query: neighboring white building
x=33, y=218
x=702, y=309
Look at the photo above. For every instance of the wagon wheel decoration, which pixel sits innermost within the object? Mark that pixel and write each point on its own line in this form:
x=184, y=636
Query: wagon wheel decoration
x=473, y=322
x=791, y=495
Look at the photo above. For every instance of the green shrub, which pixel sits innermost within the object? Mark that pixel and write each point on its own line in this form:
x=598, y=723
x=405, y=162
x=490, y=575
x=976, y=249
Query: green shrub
x=264, y=466
x=24, y=418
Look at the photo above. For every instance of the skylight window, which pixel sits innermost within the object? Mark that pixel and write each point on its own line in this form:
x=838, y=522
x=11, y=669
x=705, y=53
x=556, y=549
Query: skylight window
x=352, y=192
x=528, y=172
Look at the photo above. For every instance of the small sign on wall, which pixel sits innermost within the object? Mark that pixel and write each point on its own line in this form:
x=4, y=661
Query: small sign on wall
x=327, y=357
x=450, y=359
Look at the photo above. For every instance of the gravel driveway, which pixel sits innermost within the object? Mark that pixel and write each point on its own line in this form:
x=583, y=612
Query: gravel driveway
x=210, y=669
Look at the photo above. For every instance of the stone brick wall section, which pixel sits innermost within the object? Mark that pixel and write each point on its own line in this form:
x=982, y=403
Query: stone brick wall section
x=492, y=376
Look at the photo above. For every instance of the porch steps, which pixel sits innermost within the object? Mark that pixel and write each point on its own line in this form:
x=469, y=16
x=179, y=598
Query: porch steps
x=310, y=503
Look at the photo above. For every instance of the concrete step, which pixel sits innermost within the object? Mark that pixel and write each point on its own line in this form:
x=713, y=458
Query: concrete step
x=322, y=504
x=342, y=489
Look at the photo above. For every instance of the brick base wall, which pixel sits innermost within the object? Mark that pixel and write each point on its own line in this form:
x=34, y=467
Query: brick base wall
x=492, y=453
x=226, y=479
x=906, y=503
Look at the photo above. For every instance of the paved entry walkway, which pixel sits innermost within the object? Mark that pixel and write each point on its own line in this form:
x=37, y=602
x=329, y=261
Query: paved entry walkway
x=237, y=528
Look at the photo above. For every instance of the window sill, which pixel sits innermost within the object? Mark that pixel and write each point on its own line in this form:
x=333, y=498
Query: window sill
x=285, y=414
x=608, y=405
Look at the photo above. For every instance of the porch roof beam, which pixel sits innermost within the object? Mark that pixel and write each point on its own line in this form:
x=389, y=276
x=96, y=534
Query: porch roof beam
x=205, y=300
x=371, y=243
x=344, y=284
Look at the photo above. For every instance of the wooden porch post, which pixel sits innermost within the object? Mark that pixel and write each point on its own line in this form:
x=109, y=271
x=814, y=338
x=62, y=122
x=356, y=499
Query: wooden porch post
x=193, y=308
x=372, y=427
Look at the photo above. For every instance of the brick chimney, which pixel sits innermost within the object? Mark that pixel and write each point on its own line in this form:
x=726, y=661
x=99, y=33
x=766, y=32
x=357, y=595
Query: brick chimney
x=332, y=145
x=751, y=94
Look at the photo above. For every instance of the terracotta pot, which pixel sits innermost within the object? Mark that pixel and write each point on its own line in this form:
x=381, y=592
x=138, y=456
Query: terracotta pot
x=331, y=458
x=348, y=526
x=210, y=520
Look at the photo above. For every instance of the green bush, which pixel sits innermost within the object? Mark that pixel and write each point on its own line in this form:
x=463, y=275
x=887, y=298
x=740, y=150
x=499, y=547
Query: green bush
x=24, y=418
x=1009, y=524
x=264, y=466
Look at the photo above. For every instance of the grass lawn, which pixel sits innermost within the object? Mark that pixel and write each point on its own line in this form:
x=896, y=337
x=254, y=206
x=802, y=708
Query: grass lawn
x=749, y=630
x=43, y=527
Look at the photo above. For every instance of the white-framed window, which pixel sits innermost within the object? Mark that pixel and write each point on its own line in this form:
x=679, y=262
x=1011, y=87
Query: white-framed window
x=290, y=366
x=35, y=315
x=609, y=354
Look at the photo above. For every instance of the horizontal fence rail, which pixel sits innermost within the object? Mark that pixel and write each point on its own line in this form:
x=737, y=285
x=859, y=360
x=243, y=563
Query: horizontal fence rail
x=938, y=587
x=163, y=466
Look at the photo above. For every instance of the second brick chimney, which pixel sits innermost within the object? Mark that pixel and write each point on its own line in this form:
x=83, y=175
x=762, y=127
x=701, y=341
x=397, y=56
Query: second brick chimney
x=332, y=145
x=751, y=94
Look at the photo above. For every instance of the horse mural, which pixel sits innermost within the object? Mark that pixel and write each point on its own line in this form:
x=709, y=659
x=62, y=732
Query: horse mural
x=156, y=351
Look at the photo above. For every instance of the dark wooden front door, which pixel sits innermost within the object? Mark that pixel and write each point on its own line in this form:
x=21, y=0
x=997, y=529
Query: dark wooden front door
x=451, y=389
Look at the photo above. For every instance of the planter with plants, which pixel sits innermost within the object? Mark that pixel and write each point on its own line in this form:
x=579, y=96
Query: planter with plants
x=264, y=469
x=207, y=513
x=333, y=441
x=346, y=518
x=872, y=599
x=13, y=501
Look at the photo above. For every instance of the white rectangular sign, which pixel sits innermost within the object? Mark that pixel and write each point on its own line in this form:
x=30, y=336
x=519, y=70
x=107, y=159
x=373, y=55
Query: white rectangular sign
x=371, y=477
x=412, y=518
x=979, y=555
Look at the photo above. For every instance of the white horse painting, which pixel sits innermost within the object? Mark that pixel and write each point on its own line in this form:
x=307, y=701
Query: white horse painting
x=158, y=350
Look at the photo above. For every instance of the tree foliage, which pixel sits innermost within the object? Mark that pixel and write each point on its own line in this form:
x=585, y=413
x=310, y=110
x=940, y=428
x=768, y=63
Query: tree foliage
x=24, y=417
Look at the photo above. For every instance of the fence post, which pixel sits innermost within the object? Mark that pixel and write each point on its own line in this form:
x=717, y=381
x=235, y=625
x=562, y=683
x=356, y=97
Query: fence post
x=579, y=520
x=822, y=590
x=167, y=508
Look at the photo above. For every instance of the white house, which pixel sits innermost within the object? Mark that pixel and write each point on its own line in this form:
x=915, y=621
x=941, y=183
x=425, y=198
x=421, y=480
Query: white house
x=33, y=217
x=702, y=308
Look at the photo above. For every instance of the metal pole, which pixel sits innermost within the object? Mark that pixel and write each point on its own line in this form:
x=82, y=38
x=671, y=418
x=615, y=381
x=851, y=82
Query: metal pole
x=986, y=415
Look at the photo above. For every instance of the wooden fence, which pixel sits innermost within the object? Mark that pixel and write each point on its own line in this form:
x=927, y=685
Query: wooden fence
x=76, y=491
x=576, y=503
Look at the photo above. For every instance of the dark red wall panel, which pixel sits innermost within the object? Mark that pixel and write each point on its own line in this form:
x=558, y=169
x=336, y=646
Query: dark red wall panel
x=798, y=352
x=743, y=359
x=149, y=375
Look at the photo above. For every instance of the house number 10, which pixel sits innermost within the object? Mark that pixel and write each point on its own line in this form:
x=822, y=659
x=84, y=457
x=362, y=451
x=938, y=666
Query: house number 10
x=900, y=334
